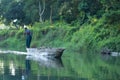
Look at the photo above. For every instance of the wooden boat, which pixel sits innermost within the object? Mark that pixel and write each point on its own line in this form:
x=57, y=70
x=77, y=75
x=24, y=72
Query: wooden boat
x=48, y=52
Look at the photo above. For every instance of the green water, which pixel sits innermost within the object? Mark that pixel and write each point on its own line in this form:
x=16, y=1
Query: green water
x=72, y=66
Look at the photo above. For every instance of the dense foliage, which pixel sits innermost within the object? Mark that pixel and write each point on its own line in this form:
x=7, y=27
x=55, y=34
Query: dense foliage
x=92, y=24
x=29, y=11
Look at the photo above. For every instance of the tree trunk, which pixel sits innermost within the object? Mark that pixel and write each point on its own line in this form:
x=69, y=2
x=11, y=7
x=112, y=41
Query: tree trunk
x=51, y=15
x=41, y=11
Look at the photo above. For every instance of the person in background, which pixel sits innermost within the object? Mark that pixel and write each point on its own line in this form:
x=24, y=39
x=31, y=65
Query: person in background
x=28, y=34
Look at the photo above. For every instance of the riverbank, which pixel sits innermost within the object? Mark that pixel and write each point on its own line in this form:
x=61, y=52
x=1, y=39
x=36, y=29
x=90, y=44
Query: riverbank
x=89, y=37
x=73, y=38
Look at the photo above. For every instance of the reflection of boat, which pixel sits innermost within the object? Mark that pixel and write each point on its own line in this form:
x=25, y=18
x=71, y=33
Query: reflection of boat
x=45, y=61
x=50, y=52
x=54, y=63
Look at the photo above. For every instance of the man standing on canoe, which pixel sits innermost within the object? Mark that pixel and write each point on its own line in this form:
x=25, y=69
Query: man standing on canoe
x=28, y=34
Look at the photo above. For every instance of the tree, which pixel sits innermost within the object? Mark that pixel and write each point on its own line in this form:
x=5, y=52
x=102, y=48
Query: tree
x=69, y=10
x=30, y=9
x=41, y=10
x=110, y=5
x=11, y=10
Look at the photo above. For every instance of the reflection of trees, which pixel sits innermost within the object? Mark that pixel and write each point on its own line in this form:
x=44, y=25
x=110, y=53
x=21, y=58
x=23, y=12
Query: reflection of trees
x=1, y=67
x=11, y=67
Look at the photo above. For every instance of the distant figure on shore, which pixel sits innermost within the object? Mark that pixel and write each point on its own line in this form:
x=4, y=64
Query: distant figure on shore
x=28, y=34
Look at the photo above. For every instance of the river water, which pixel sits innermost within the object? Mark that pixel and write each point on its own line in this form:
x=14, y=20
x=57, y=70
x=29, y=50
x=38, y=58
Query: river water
x=72, y=66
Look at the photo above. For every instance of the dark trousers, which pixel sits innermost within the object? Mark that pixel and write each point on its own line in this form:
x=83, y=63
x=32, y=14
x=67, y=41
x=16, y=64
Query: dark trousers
x=28, y=41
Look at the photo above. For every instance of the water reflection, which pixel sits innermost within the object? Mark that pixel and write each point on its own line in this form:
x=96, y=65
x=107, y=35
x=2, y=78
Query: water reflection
x=28, y=66
x=54, y=63
x=27, y=71
x=12, y=68
x=17, y=67
x=47, y=62
x=1, y=67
